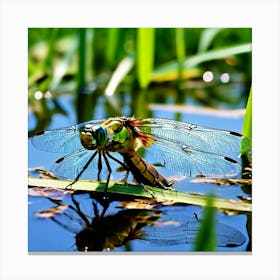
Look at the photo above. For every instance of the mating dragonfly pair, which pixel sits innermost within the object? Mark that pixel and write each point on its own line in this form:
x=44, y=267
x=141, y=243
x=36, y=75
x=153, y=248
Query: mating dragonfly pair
x=182, y=147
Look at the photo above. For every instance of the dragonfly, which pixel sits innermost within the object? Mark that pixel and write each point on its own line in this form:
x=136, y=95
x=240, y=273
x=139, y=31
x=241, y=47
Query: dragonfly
x=185, y=148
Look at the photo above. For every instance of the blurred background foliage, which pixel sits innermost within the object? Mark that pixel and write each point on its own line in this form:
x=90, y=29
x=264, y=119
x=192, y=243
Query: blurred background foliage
x=128, y=69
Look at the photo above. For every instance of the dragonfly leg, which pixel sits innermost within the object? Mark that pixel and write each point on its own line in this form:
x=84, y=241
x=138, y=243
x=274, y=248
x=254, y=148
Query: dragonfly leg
x=95, y=209
x=78, y=210
x=124, y=166
x=105, y=207
x=109, y=173
x=124, y=180
x=105, y=203
x=150, y=192
x=99, y=167
x=196, y=216
x=83, y=170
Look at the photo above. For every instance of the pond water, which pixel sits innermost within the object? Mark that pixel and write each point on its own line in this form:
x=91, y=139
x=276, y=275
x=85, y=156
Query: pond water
x=81, y=227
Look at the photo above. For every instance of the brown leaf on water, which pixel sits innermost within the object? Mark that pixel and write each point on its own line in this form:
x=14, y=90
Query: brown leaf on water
x=52, y=211
x=148, y=204
x=57, y=194
x=223, y=182
x=42, y=173
x=230, y=212
x=245, y=199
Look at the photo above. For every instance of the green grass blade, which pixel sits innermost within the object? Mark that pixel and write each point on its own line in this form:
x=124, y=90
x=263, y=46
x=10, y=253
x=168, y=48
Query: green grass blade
x=85, y=56
x=62, y=66
x=82, y=58
x=217, y=54
x=197, y=59
x=48, y=62
x=145, y=55
x=112, y=44
x=136, y=190
x=180, y=50
x=206, y=38
x=247, y=124
x=119, y=74
x=206, y=237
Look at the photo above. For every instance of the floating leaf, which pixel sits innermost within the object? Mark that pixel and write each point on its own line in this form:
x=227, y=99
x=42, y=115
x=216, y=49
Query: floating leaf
x=42, y=173
x=222, y=182
x=139, y=191
x=148, y=204
x=49, y=213
x=56, y=194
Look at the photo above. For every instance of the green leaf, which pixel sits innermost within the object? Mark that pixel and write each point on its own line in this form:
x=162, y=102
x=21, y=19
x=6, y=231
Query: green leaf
x=136, y=190
x=180, y=49
x=247, y=126
x=119, y=74
x=145, y=55
x=206, y=38
x=217, y=54
x=165, y=74
x=62, y=66
x=111, y=46
x=206, y=237
x=85, y=36
x=195, y=60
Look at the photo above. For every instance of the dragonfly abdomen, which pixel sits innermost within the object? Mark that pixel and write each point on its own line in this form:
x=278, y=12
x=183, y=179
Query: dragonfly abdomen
x=144, y=172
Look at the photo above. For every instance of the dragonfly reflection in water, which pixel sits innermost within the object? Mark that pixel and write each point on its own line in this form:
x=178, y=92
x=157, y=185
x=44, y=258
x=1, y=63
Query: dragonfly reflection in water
x=181, y=147
x=94, y=232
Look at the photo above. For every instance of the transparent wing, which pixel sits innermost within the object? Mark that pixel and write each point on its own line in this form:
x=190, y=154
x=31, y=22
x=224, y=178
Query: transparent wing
x=61, y=140
x=191, y=162
x=194, y=136
x=71, y=165
x=226, y=236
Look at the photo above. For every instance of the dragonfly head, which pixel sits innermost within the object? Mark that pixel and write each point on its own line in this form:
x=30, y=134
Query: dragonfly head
x=119, y=135
x=93, y=136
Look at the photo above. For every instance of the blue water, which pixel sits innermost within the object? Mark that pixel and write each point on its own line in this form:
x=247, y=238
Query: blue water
x=44, y=235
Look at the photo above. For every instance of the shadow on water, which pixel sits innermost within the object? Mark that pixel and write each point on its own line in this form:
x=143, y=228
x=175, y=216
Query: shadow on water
x=95, y=231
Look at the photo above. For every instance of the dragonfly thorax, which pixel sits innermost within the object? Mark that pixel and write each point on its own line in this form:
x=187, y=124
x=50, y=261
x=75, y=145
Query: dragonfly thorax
x=93, y=137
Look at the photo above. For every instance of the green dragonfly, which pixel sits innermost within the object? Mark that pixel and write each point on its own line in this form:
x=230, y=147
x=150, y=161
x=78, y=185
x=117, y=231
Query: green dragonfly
x=186, y=148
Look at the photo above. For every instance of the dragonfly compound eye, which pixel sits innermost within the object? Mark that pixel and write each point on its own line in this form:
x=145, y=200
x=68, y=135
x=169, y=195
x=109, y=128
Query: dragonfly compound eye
x=93, y=136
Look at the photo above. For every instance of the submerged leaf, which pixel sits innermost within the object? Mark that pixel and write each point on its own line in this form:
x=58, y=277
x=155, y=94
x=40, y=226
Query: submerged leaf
x=52, y=211
x=52, y=193
x=147, y=204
